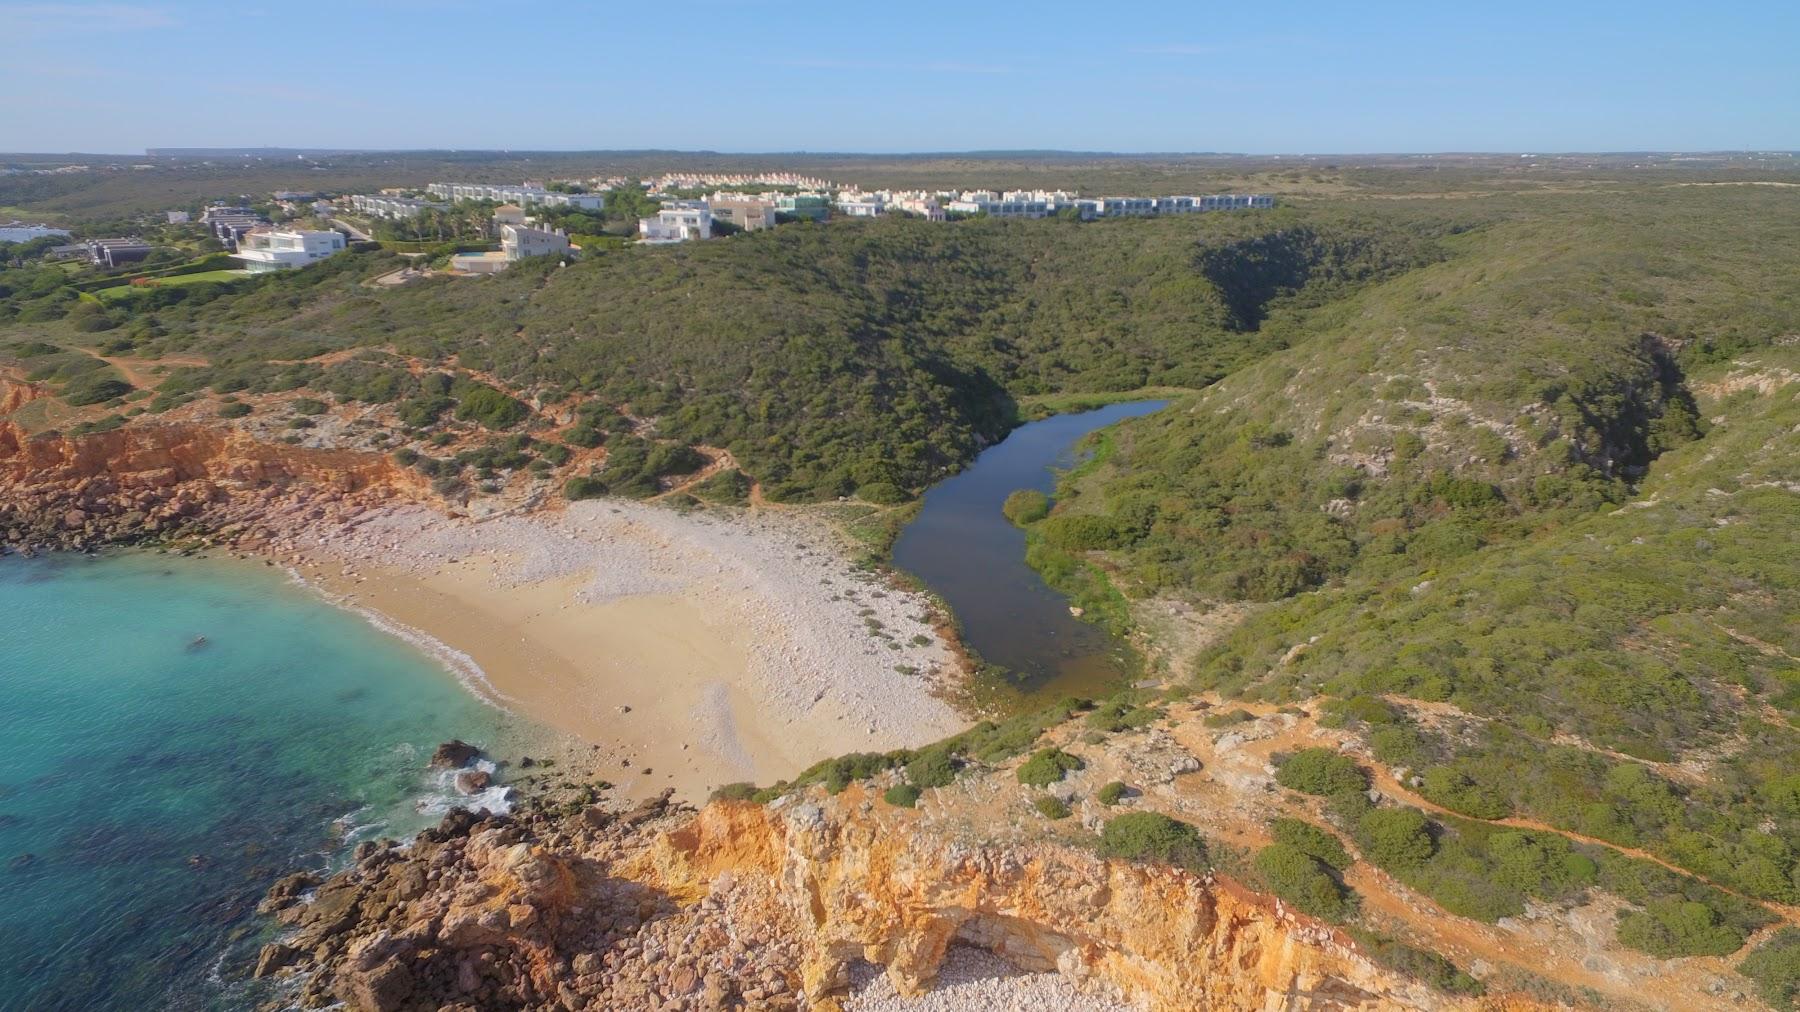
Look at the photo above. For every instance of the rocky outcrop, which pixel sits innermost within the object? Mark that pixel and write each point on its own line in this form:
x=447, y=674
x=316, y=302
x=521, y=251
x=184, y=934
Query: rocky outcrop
x=168, y=482
x=745, y=906
x=454, y=753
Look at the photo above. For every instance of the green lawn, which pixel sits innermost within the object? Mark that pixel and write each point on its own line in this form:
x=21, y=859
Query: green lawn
x=120, y=291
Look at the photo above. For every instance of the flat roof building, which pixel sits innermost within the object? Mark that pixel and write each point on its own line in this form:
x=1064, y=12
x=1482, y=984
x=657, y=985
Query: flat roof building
x=269, y=249
x=523, y=195
x=748, y=214
x=678, y=221
x=117, y=252
x=382, y=206
x=519, y=242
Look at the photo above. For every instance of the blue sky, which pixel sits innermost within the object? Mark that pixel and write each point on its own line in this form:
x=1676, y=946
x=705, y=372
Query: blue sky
x=924, y=76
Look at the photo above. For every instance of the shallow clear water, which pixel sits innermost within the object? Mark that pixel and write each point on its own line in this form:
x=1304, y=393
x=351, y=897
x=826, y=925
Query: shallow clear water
x=160, y=782
x=964, y=549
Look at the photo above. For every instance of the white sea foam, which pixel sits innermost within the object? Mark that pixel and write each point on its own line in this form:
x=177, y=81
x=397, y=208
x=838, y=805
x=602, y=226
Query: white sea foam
x=459, y=664
x=444, y=796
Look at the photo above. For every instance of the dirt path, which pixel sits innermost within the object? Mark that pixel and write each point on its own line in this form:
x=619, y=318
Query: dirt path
x=134, y=372
x=1389, y=786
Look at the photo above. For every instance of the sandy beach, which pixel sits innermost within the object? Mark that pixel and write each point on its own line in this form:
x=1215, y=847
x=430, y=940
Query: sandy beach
x=684, y=650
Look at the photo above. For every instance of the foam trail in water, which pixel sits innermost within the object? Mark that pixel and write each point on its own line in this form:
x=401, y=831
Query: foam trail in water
x=455, y=661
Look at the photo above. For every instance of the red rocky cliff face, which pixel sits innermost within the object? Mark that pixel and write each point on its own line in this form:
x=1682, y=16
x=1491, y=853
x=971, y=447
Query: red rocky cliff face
x=162, y=481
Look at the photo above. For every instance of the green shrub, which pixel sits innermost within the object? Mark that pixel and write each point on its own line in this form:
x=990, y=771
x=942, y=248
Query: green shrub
x=490, y=409
x=1153, y=836
x=1671, y=926
x=1116, y=716
x=30, y=349
x=1396, y=837
x=883, y=493
x=583, y=487
x=932, y=767
x=1111, y=793
x=672, y=459
x=1302, y=881
x=1310, y=840
x=1081, y=533
x=235, y=409
x=839, y=773
x=1228, y=718
x=307, y=406
x=1026, y=506
x=1455, y=790
x=741, y=791
x=1047, y=766
x=1321, y=771
x=406, y=456
x=902, y=795
x=729, y=486
x=94, y=388
x=1050, y=807
x=1775, y=967
x=583, y=436
x=555, y=454
x=1419, y=964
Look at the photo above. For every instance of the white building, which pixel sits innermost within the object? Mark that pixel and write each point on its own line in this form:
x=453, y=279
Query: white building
x=678, y=221
x=519, y=242
x=858, y=204
x=925, y=207
x=268, y=249
x=522, y=195
x=384, y=206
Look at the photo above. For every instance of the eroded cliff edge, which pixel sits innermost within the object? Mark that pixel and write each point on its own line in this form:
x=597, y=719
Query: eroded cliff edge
x=743, y=905
x=163, y=482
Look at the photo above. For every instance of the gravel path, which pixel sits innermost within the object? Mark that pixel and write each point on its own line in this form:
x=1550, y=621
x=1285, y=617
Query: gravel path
x=974, y=980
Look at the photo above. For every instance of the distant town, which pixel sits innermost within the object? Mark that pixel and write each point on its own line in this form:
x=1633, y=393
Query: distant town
x=493, y=225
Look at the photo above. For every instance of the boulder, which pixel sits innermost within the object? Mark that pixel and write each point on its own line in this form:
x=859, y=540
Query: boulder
x=473, y=781
x=454, y=753
x=274, y=957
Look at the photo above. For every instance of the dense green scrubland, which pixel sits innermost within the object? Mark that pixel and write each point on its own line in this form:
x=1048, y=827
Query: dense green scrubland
x=826, y=359
x=1526, y=517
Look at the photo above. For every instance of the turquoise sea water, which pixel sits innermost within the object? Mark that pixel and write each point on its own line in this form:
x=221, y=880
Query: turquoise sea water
x=159, y=782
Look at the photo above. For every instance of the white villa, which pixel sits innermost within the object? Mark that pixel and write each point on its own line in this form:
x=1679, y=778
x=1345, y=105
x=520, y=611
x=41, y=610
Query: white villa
x=519, y=242
x=678, y=221
x=270, y=249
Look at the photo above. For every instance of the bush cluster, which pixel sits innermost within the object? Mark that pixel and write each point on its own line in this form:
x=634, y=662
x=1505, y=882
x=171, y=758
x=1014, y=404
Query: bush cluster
x=1047, y=766
x=1153, y=836
x=1321, y=771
